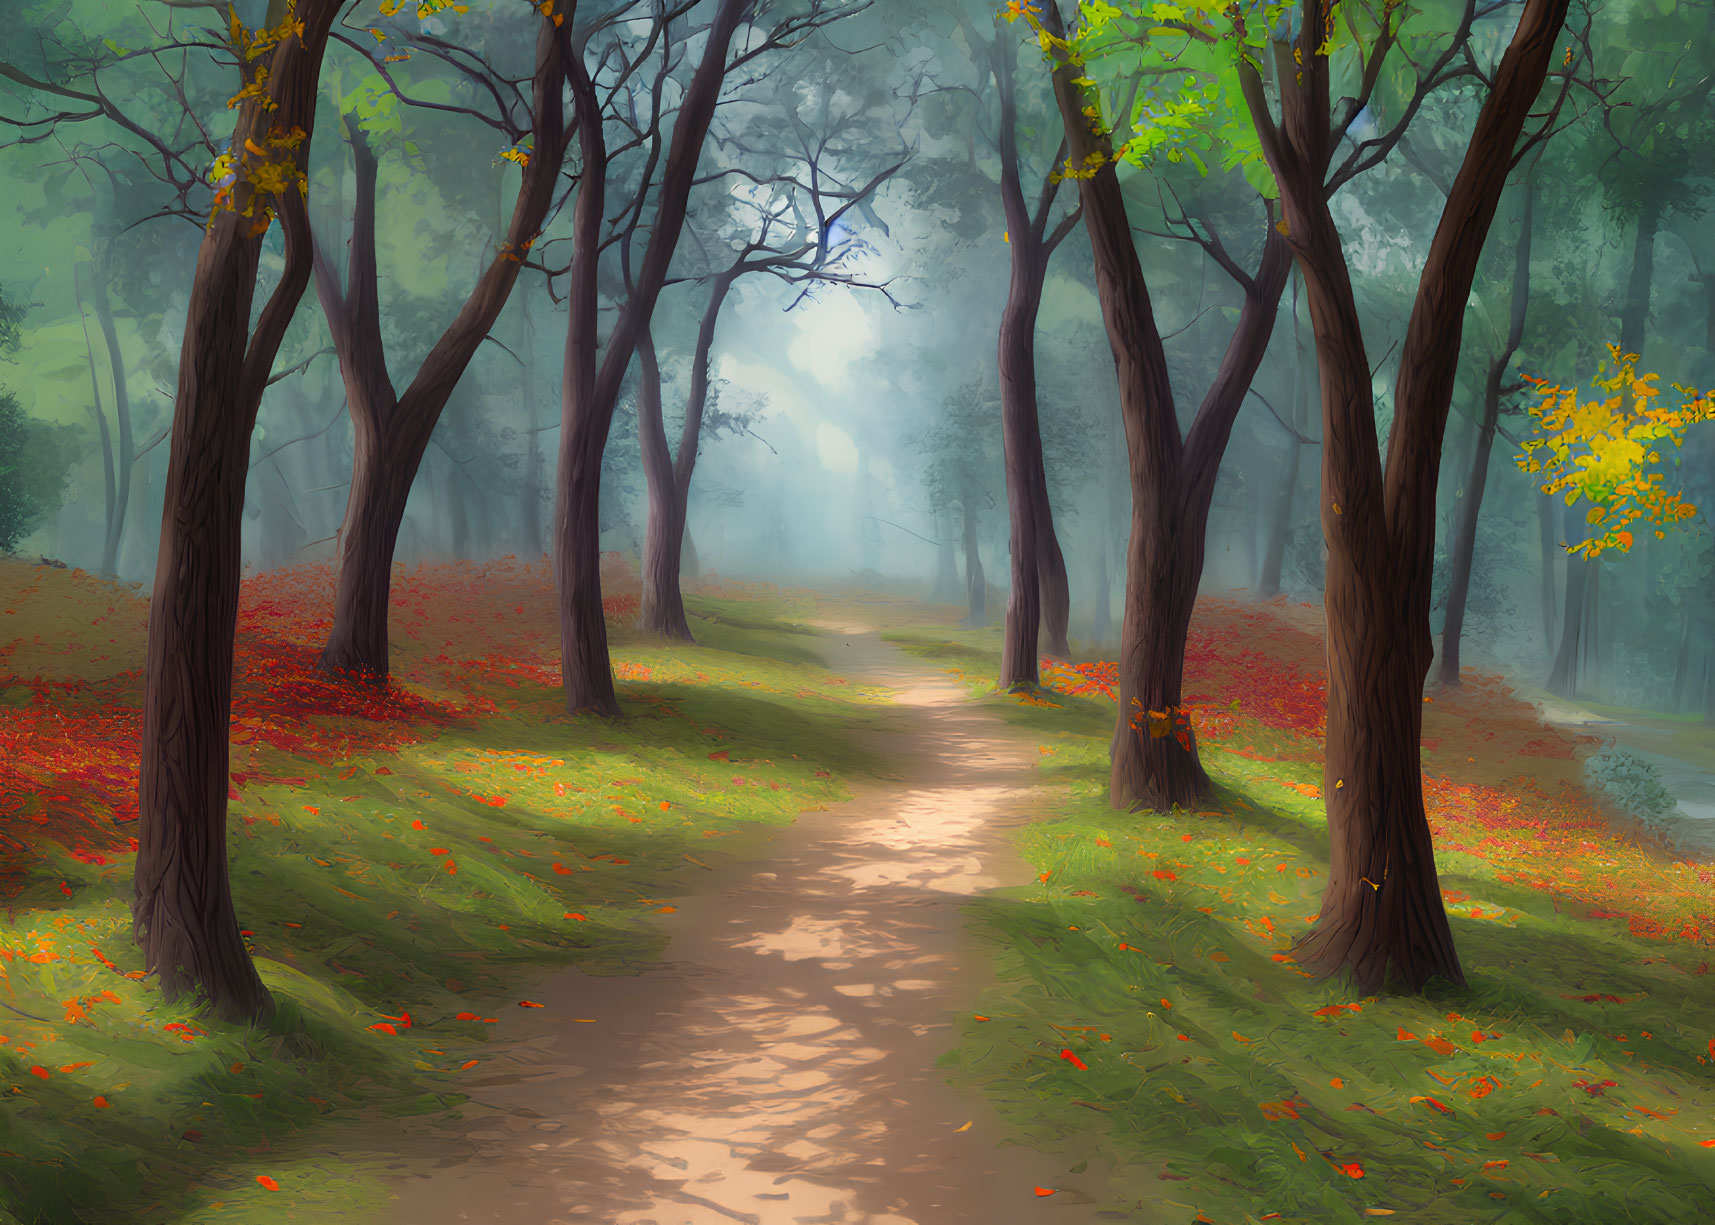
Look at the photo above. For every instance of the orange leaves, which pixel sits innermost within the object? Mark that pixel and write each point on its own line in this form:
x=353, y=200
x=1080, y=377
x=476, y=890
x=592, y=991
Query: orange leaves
x=99, y=1102
x=1433, y=1104
x=1334, y=1010
x=452, y=868
x=1163, y=874
x=529, y=1004
x=572, y=914
x=562, y=870
x=720, y=755
x=418, y=824
x=471, y=1016
x=39, y=1070
x=1351, y=1169
x=1073, y=1059
x=384, y=1027
x=266, y=1183
x=1439, y=1045
x=467, y=1065
x=1483, y=1086
x=440, y=850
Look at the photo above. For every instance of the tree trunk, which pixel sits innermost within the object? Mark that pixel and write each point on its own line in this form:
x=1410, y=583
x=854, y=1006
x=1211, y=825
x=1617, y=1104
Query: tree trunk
x=589, y=392
x=976, y=583
x=98, y=414
x=182, y=907
x=1634, y=315
x=1550, y=551
x=1382, y=908
x=1682, y=660
x=664, y=532
x=393, y=429
x=946, y=562
x=1038, y=597
x=1590, y=633
x=668, y=476
x=1172, y=476
x=1465, y=526
x=126, y=454
x=1564, y=676
x=1101, y=610
x=530, y=513
x=1280, y=525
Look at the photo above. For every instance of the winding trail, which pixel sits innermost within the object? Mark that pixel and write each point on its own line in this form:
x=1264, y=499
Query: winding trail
x=777, y=1067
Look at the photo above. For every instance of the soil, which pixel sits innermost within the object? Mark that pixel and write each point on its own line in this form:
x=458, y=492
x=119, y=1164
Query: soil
x=778, y=1066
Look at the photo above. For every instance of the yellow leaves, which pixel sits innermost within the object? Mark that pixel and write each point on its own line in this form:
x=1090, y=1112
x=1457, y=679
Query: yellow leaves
x=1601, y=450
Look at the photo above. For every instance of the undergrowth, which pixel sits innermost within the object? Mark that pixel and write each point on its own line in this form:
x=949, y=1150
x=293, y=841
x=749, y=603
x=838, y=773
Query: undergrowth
x=406, y=866
x=1150, y=1018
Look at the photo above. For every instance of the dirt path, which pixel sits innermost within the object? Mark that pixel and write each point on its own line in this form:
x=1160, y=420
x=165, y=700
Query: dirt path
x=777, y=1067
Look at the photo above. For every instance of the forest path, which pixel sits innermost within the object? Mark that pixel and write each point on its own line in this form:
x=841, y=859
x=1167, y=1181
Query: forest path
x=777, y=1067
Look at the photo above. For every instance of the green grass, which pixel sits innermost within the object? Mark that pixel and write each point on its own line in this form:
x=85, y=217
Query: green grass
x=357, y=921
x=1156, y=951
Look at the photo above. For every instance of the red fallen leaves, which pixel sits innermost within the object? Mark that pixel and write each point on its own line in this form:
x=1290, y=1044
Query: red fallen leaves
x=529, y=1004
x=1074, y=1060
x=720, y=755
x=1595, y=1088
x=268, y=1184
x=1433, y=1104
x=1334, y=1010
x=1045, y=1190
x=1351, y=1169
x=1286, y=1108
x=471, y=1016
x=1163, y=874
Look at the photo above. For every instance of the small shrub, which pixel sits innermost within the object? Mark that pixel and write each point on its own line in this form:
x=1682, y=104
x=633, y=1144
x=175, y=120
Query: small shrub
x=1629, y=784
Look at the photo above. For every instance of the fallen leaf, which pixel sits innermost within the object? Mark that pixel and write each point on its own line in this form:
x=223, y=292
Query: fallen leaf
x=267, y=1183
x=101, y=1103
x=966, y=1127
x=1045, y=1190
x=529, y=1004
x=581, y=918
x=1074, y=1060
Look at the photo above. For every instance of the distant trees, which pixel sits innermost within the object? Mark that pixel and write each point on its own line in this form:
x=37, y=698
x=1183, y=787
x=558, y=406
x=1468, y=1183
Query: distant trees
x=35, y=457
x=962, y=467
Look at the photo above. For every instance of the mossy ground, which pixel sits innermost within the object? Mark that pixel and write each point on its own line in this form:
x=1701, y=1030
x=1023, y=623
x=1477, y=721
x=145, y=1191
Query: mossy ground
x=1150, y=1020
x=398, y=864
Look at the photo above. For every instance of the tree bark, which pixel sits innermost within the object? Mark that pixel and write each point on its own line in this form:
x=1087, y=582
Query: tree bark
x=668, y=476
x=1279, y=526
x=392, y=429
x=1382, y=909
x=1172, y=477
x=589, y=393
x=182, y=907
x=1038, y=599
x=1564, y=676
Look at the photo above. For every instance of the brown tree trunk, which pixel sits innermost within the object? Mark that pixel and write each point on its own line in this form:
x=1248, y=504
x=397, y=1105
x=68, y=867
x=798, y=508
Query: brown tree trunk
x=1172, y=477
x=393, y=429
x=668, y=476
x=1101, y=610
x=1382, y=910
x=182, y=907
x=1465, y=526
x=1038, y=599
x=530, y=512
x=591, y=382
x=1682, y=660
x=664, y=533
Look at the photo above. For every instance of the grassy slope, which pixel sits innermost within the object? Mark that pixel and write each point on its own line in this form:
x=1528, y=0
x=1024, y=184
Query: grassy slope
x=1573, y=1082
x=413, y=859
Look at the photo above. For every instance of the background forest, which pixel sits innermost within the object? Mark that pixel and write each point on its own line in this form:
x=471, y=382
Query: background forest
x=1217, y=383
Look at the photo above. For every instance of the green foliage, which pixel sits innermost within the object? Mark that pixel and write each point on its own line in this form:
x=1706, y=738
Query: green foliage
x=1629, y=783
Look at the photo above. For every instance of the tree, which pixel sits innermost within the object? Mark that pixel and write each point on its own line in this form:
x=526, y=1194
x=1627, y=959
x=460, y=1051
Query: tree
x=393, y=428
x=1382, y=905
x=183, y=905
x=594, y=370
x=961, y=469
x=1039, y=597
x=35, y=458
x=794, y=214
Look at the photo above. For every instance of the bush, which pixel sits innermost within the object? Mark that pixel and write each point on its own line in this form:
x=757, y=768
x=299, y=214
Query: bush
x=36, y=460
x=1629, y=784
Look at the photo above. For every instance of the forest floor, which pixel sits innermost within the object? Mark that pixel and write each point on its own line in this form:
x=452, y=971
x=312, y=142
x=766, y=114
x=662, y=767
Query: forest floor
x=770, y=937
